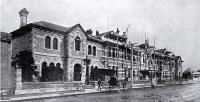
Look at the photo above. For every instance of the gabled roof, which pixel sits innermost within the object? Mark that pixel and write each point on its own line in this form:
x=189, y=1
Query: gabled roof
x=75, y=26
x=46, y=26
x=52, y=26
x=5, y=37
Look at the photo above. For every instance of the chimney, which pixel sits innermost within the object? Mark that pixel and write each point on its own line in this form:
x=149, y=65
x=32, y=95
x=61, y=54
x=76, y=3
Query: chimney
x=89, y=31
x=23, y=17
x=97, y=33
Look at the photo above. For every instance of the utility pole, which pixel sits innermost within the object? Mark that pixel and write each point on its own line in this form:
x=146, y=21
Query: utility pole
x=117, y=51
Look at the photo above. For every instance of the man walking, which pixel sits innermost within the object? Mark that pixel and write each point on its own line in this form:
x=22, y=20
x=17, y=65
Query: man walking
x=99, y=84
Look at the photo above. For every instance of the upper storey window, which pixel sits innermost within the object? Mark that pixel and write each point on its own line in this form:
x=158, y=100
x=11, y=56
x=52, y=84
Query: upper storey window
x=77, y=43
x=113, y=54
x=109, y=52
x=89, y=50
x=55, y=43
x=48, y=42
x=94, y=50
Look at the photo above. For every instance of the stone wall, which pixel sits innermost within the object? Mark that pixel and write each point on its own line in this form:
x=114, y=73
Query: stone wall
x=23, y=42
x=7, y=72
x=42, y=54
x=76, y=57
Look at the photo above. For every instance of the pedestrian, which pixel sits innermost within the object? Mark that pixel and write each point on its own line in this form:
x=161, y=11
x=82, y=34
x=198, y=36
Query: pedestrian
x=99, y=84
x=124, y=84
x=153, y=83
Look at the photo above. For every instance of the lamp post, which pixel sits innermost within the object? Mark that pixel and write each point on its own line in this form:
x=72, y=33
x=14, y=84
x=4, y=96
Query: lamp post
x=131, y=63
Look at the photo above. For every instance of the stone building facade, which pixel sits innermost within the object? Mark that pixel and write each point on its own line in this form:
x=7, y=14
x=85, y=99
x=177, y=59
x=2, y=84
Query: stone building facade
x=73, y=54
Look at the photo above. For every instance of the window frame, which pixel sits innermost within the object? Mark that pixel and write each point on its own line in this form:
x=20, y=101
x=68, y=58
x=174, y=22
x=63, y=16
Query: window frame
x=79, y=43
x=47, y=46
x=55, y=39
x=94, y=50
x=89, y=50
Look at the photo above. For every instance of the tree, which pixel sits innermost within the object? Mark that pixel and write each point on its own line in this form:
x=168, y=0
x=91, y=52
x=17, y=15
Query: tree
x=187, y=75
x=25, y=60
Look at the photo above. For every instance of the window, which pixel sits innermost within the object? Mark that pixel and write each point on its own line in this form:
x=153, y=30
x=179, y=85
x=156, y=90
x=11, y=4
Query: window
x=48, y=42
x=113, y=54
x=55, y=43
x=109, y=52
x=103, y=52
x=89, y=50
x=94, y=50
x=77, y=44
x=134, y=58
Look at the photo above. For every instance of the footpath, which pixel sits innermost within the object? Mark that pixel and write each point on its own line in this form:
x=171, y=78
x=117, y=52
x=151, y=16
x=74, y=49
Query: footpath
x=82, y=91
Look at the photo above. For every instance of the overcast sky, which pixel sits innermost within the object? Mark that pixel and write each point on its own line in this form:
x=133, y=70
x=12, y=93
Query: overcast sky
x=174, y=23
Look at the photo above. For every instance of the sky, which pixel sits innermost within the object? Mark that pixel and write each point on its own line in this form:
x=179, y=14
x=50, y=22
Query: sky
x=175, y=24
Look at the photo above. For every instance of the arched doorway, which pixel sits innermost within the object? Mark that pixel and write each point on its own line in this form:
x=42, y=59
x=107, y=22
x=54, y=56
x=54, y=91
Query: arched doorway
x=59, y=72
x=77, y=72
x=44, y=72
x=51, y=74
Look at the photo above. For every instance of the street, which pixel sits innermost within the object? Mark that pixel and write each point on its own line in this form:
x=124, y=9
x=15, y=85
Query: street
x=179, y=93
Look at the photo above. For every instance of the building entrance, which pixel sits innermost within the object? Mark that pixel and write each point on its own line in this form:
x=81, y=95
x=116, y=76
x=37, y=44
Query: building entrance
x=77, y=72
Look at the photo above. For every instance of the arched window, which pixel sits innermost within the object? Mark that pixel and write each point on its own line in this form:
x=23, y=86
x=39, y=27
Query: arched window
x=94, y=50
x=55, y=43
x=89, y=50
x=77, y=44
x=48, y=42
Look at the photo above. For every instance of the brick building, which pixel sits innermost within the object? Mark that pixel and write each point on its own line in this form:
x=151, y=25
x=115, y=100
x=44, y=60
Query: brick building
x=73, y=54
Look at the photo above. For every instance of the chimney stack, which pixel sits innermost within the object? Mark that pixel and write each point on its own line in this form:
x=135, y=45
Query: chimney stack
x=23, y=17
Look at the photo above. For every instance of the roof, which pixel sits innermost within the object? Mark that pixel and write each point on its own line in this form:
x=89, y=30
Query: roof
x=94, y=38
x=196, y=73
x=46, y=26
x=5, y=37
x=161, y=50
x=105, y=33
x=52, y=26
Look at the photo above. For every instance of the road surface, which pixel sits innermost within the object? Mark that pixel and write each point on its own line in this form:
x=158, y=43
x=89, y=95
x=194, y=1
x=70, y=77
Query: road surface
x=178, y=93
